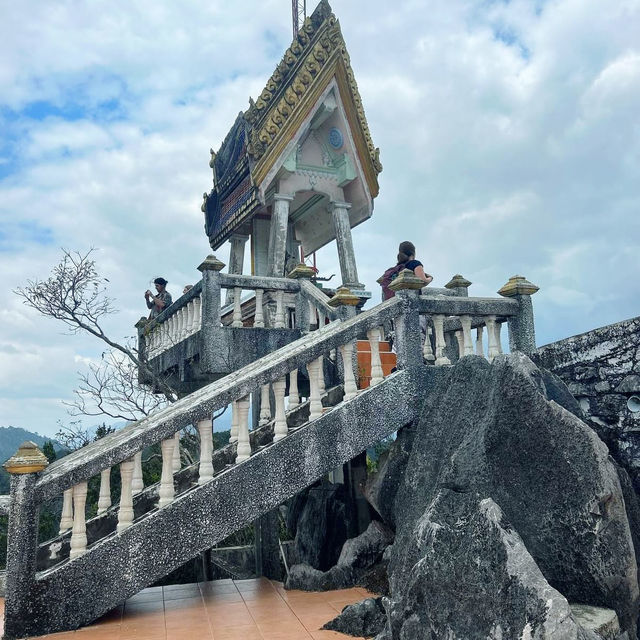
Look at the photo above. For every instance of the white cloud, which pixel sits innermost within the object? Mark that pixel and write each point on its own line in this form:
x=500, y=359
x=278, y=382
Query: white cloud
x=508, y=133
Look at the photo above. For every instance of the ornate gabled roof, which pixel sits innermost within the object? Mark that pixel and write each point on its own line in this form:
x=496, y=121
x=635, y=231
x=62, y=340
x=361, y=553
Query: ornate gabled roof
x=317, y=53
x=259, y=136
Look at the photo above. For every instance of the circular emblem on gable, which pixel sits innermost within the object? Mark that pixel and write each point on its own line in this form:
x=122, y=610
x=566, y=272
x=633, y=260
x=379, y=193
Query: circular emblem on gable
x=335, y=138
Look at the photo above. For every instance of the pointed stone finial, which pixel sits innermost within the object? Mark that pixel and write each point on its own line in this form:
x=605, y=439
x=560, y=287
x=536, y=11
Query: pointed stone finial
x=28, y=459
x=301, y=271
x=407, y=280
x=211, y=263
x=458, y=282
x=344, y=298
x=518, y=286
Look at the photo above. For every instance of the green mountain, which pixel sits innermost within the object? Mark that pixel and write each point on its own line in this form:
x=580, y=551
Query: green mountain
x=12, y=437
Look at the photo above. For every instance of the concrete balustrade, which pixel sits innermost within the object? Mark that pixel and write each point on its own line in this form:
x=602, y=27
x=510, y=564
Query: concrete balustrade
x=244, y=444
x=427, y=350
x=78, y=543
x=205, y=430
x=66, y=520
x=350, y=385
x=125, y=511
x=176, y=463
x=167, y=490
x=294, y=396
x=258, y=320
x=377, y=374
x=104, y=498
x=479, y=343
x=233, y=435
x=265, y=405
x=137, y=483
x=315, y=398
x=280, y=428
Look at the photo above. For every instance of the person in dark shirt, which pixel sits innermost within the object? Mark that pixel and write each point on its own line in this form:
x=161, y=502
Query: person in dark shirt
x=160, y=302
x=407, y=256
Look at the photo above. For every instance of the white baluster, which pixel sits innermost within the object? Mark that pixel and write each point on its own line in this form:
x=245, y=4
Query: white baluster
x=178, y=316
x=438, y=324
x=492, y=351
x=258, y=320
x=265, y=405
x=104, y=500
x=321, y=382
x=479, y=346
x=244, y=445
x=312, y=314
x=280, y=428
x=205, y=429
x=137, y=483
x=294, y=396
x=125, y=512
x=467, y=344
x=322, y=318
x=78, y=545
x=460, y=339
x=427, y=351
x=237, y=308
x=279, y=323
x=377, y=374
x=182, y=319
x=167, y=490
x=233, y=436
x=498, y=327
x=350, y=386
x=163, y=339
x=176, y=453
x=170, y=337
x=189, y=314
x=198, y=314
x=66, y=519
x=315, y=402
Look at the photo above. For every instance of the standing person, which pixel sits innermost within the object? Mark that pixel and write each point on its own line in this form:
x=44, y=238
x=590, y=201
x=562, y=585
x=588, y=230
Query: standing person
x=159, y=302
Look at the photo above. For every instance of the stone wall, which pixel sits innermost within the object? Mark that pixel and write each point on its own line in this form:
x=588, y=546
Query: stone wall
x=602, y=370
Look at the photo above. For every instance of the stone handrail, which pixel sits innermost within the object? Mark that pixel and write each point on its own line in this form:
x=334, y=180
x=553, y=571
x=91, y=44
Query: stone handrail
x=117, y=447
x=317, y=300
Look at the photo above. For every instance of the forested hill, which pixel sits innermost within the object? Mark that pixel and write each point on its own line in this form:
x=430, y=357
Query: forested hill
x=12, y=437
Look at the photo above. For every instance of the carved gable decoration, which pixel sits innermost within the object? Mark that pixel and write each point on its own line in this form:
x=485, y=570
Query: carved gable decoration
x=318, y=54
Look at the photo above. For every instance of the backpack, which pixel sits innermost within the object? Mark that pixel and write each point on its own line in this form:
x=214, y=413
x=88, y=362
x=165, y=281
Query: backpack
x=388, y=277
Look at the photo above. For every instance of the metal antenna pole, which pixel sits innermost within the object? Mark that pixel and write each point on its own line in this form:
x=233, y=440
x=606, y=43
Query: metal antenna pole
x=298, y=14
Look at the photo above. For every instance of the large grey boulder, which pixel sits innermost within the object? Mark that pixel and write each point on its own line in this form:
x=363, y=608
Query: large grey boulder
x=489, y=431
x=365, y=550
x=475, y=580
x=366, y=618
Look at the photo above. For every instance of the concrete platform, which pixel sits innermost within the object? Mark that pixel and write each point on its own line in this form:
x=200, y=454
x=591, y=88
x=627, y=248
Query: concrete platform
x=221, y=610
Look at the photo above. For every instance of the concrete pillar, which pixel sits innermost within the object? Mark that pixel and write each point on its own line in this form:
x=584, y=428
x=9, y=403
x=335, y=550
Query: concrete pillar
x=22, y=541
x=236, y=260
x=278, y=234
x=346, y=255
x=210, y=311
x=522, y=334
x=408, y=344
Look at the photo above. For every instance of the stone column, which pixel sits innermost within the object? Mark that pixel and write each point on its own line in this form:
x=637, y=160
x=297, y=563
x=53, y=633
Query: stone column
x=236, y=260
x=346, y=255
x=522, y=334
x=22, y=540
x=408, y=344
x=278, y=234
x=209, y=310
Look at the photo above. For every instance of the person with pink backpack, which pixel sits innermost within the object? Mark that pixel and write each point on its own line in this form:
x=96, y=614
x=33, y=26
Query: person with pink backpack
x=406, y=260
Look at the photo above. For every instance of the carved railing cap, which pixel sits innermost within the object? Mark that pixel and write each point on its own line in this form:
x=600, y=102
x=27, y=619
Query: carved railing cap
x=458, y=281
x=141, y=323
x=301, y=271
x=518, y=286
x=344, y=297
x=407, y=280
x=28, y=459
x=211, y=263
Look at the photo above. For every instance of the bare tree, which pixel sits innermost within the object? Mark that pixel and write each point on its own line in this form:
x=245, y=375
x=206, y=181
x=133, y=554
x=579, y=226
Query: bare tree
x=76, y=295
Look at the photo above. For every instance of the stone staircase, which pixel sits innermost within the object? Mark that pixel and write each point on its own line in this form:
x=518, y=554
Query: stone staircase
x=136, y=543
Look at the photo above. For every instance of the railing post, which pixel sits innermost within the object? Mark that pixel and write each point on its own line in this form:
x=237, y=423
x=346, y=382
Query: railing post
x=303, y=316
x=210, y=309
x=22, y=539
x=522, y=334
x=408, y=346
x=459, y=285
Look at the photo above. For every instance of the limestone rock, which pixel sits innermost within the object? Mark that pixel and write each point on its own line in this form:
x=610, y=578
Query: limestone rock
x=488, y=430
x=306, y=578
x=475, y=580
x=366, y=550
x=366, y=618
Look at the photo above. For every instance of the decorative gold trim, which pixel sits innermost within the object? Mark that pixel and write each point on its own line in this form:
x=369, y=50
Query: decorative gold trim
x=518, y=286
x=28, y=459
x=314, y=57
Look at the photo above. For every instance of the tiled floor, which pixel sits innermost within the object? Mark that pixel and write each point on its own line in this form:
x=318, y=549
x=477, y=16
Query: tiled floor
x=222, y=610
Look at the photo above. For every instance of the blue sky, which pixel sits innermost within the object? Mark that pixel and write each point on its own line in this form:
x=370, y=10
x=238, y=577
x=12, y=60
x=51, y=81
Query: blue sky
x=508, y=133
